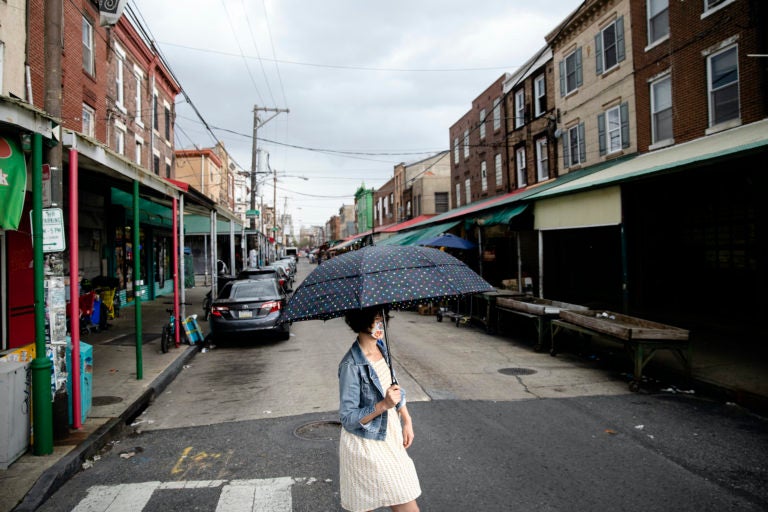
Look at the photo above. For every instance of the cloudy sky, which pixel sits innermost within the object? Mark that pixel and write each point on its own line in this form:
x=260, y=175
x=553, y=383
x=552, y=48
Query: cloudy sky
x=368, y=84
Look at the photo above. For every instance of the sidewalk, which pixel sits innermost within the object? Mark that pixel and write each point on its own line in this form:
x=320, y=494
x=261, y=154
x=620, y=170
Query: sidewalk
x=118, y=397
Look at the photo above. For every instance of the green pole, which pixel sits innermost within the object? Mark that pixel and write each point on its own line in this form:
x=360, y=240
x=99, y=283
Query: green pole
x=137, y=280
x=42, y=402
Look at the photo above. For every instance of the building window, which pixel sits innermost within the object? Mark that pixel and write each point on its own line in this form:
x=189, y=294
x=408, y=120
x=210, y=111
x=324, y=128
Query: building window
x=120, y=78
x=482, y=124
x=456, y=150
x=540, y=95
x=137, y=156
x=441, y=202
x=496, y=114
x=155, y=120
x=519, y=108
x=137, y=100
x=167, y=112
x=466, y=143
x=609, y=46
x=542, y=160
x=458, y=195
x=658, y=20
x=522, y=174
x=613, y=129
x=723, y=71
x=89, y=116
x=661, y=110
x=167, y=170
x=711, y=5
x=570, y=72
x=574, y=148
x=483, y=176
x=467, y=191
x=156, y=164
x=120, y=141
x=88, y=47
x=499, y=171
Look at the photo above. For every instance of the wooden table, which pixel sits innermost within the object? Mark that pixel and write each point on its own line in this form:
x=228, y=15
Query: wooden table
x=541, y=311
x=640, y=338
x=484, y=304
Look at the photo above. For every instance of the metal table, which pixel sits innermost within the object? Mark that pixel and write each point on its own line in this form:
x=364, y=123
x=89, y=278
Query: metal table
x=484, y=304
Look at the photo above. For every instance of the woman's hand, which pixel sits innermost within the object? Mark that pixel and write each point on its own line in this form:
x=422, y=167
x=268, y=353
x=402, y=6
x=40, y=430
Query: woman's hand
x=407, y=433
x=392, y=397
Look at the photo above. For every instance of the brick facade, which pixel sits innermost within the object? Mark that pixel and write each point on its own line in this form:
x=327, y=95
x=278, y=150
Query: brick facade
x=693, y=36
x=533, y=134
x=481, y=147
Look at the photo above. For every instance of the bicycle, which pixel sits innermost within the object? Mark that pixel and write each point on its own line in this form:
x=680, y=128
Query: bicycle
x=169, y=333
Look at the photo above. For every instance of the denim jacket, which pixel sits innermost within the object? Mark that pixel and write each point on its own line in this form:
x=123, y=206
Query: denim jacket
x=359, y=391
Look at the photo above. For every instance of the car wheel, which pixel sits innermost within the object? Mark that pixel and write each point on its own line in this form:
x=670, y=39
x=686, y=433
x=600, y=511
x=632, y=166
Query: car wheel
x=285, y=335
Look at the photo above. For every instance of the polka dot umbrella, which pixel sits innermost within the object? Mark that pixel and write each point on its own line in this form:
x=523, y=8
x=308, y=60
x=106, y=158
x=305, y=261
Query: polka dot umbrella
x=386, y=275
x=392, y=276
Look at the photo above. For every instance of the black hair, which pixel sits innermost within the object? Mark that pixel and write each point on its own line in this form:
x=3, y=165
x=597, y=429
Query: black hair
x=360, y=320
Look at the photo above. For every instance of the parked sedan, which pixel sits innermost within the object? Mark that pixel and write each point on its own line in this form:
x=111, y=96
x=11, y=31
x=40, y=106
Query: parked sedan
x=249, y=306
x=266, y=273
x=284, y=276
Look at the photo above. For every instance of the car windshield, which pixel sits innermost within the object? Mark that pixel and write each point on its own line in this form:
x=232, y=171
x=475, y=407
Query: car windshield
x=252, y=289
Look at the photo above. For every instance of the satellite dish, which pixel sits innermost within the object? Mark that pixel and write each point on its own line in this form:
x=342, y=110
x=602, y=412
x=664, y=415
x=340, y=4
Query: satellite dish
x=558, y=133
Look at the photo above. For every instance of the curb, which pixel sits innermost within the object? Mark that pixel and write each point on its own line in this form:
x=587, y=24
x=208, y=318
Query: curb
x=60, y=472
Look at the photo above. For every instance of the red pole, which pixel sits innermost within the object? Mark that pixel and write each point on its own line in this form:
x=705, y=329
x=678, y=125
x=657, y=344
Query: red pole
x=175, y=260
x=74, y=288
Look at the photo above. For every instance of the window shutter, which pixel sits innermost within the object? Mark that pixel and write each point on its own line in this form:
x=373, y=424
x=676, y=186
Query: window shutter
x=578, y=67
x=620, y=39
x=566, y=150
x=601, y=132
x=582, y=144
x=624, y=112
x=599, y=53
x=562, y=78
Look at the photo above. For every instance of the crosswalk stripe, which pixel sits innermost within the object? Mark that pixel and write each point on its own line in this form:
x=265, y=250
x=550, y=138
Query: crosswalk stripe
x=268, y=495
x=117, y=498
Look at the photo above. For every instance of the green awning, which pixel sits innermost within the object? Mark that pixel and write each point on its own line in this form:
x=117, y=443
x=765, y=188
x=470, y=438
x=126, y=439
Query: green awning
x=501, y=216
x=201, y=225
x=412, y=237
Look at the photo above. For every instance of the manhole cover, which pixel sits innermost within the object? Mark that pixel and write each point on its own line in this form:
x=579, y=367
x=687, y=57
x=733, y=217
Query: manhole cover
x=517, y=371
x=319, y=431
x=105, y=400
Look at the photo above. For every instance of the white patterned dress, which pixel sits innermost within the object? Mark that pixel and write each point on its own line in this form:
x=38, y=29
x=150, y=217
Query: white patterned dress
x=376, y=474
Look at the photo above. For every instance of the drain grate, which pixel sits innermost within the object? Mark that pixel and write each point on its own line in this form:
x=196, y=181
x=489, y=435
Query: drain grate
x=105, y=400
x=319, y=431
x=517, y=371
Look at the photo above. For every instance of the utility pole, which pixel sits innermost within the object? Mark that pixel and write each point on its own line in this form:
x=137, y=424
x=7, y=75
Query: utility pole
x=257, y=123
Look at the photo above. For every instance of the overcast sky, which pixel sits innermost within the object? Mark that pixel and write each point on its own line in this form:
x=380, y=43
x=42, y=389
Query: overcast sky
x=368, y=84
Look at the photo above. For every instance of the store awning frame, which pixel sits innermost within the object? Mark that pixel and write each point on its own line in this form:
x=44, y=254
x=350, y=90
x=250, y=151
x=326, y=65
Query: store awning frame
x=414, y=236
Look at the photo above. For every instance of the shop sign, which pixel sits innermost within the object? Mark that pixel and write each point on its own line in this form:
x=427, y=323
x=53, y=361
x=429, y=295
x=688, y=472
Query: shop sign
x=13, y=183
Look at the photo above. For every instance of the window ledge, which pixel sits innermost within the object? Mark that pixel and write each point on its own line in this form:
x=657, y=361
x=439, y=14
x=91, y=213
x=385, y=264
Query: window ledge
x=661, y=144
x=717, y=8
x=657, y=42
x=121, y=108
x=725, y=125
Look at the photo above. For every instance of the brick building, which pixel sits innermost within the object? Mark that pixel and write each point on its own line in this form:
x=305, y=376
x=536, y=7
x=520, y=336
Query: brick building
x=477, y=145
x=530, y=122
x=384, y=204
x=693, y=72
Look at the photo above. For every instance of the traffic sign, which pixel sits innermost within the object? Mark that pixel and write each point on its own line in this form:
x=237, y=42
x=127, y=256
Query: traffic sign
x=252, y=213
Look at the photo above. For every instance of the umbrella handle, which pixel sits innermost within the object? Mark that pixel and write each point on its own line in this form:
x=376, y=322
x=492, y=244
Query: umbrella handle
x=386, y=344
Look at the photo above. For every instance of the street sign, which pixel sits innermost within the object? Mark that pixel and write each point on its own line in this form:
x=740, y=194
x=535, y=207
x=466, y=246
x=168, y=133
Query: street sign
x=251, y=213
x=53, y=229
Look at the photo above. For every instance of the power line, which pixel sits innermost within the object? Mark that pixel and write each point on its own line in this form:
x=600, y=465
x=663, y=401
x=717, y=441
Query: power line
x=242, y=55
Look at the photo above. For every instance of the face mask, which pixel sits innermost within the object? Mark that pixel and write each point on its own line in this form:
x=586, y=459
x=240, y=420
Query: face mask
x=378, y=330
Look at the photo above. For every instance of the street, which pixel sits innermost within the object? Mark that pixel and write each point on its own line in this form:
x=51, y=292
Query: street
x=253, y=426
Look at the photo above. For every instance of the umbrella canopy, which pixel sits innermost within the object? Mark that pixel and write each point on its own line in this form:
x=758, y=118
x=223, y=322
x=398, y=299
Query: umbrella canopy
x=386, y=275
x=448, y=240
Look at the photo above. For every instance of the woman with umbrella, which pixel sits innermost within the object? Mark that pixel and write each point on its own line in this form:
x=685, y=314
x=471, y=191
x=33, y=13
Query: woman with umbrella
x=374, y=467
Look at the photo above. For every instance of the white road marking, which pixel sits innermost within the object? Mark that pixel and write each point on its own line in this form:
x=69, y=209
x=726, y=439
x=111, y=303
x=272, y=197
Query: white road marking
x=263, y=495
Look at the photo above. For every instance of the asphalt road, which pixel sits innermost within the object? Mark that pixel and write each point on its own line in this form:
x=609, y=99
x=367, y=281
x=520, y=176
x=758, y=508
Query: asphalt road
x=253, y=426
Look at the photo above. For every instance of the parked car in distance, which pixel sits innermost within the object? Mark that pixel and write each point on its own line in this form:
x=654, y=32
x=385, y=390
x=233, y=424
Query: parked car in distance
x=265, y=273
x=249, y=307
x=284, y=276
